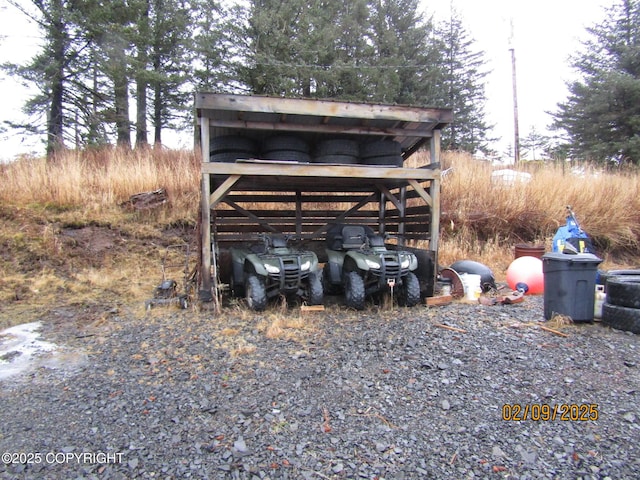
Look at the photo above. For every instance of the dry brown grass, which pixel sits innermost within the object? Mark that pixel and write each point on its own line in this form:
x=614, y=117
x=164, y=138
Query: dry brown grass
x=281, y=322
x=93, y=184
x=483, y=221
x=480, y=221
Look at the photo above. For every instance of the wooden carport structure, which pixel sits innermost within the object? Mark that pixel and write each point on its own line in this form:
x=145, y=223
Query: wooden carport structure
x=246, y=197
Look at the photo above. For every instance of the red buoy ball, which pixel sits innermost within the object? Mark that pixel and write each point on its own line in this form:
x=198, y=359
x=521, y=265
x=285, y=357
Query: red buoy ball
x=528, y=271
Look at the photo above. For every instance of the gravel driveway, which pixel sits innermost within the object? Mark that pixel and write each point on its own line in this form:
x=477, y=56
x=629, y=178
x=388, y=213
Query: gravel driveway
x=378, y=394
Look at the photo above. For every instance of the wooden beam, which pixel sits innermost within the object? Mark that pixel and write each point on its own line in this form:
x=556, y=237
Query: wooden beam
x=320, y=128
x=389, y=195
x=222, y=190
x=298, y=214
x=422, y=192
x=344, y=215
x=434, y=190
x=205, y=219
x=251, y=216
x=318, y=108
x=322, y=172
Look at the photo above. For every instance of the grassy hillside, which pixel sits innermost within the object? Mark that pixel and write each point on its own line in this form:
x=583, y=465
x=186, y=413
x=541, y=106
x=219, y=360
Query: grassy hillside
x=67, y=236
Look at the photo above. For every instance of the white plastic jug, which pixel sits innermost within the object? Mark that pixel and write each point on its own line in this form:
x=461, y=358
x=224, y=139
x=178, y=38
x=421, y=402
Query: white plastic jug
x=600, y=297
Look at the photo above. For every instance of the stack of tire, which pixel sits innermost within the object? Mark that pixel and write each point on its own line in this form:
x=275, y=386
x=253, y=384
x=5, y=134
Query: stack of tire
x=621, y=309
x=337, y=150
x=286, y=148
x=229, y=148
x=381, y=153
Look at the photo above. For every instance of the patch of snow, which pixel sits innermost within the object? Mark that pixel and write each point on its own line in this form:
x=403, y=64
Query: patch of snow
x=22, y=350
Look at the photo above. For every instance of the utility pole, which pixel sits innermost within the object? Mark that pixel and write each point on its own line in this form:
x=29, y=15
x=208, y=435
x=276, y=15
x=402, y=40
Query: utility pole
x=516, y=132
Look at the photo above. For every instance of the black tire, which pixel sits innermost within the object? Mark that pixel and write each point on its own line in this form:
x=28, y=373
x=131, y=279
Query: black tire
x=409, y=291
x=338, y=146
x=256, y=293
x=354, y=292
x=621, y=318
x=624, y=291
x=315, y=291
x=390, y=160
x=339, y=159
x=287, y=156
x=380, y=148
x=285, y=142
x=229, y=157
x=604, y=275
x=232, y=143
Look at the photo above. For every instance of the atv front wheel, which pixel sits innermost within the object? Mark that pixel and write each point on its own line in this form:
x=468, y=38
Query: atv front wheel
x=409, y=291
x=315, y=291
x=256, y=293
x=354, y=290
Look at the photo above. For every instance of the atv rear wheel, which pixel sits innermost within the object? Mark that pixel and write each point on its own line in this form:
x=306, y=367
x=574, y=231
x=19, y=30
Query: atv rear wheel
x=256, y=293
x=354, y=291
x=409, y=291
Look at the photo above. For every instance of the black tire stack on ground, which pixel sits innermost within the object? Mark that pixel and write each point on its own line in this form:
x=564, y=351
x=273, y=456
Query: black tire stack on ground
x=229, y=148
x=381, y=152
x=286, y=148
x=337, y=150
x=621, y=309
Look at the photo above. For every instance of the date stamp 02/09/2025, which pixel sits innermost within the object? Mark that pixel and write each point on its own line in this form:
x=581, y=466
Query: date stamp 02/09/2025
x=542, y=412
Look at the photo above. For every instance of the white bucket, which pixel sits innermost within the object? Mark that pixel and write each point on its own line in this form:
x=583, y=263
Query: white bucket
x=472, y=289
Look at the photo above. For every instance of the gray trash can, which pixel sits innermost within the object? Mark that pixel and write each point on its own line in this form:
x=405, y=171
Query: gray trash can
x=570, y=285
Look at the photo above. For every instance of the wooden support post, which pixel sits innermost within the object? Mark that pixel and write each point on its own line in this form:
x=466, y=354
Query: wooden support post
x=434, y=192
x=402, y=212
x=298, y=215
x=205, y=229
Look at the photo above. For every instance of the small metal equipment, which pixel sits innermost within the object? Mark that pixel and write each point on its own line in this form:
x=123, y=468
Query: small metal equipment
x=177, y=259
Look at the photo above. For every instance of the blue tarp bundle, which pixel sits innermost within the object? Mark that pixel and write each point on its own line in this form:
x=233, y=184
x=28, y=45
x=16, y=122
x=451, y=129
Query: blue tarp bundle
x=572, y=237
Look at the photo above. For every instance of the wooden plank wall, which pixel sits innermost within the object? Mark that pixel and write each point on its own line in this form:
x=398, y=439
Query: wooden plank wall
x=240, y=218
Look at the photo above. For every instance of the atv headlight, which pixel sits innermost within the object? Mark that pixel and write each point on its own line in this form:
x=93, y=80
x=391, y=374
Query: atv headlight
x=405, y=262
x=306, y=265
x=272, y=268
x=372, y=264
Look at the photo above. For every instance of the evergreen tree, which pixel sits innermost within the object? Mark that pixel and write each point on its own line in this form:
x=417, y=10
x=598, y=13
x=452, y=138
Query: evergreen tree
x=462, y=87
x=299, y=48
x=535, y=144
x=141, y=63
x=406, y=59
x=47, y=70
x=92, y=53
x=601, y=116
x=364, y=50
x=218, y=41
x=171, y=55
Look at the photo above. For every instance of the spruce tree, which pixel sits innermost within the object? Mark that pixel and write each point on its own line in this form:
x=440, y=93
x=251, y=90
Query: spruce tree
x=462, y=87
x=601, y=115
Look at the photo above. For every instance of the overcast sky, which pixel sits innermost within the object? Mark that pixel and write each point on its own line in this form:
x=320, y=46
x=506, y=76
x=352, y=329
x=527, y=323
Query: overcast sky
x=545, y=34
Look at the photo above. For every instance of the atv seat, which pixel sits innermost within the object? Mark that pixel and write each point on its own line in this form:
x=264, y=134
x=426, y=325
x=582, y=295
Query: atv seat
x=352, y=236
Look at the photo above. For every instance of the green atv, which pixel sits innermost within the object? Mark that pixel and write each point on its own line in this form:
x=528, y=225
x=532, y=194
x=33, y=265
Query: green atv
x=360, y=264
x=272, y=268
